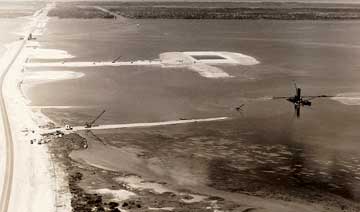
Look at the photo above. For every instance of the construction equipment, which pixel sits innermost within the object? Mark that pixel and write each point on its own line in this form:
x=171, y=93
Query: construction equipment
x=30, y=37
x=299, y=100
x=68, y=127
x=90, y=124
x=58, y=133
x=240, y=108
x=116, y=59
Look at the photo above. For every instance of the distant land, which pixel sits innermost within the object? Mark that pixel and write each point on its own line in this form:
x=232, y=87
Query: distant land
x=207, y=10
x=285, y=1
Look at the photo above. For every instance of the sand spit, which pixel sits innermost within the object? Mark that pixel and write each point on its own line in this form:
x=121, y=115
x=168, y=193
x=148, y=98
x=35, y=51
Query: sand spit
x=35, y=52
x=50, y=54
x=133, y=125
x=93, y=64
x=32, y=44
x=348, y=98
x=48, y=76
x=201, y=62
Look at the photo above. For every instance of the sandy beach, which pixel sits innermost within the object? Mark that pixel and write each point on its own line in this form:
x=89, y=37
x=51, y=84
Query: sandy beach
x=34, y=183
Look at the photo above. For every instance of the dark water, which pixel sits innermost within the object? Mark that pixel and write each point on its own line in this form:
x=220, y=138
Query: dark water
x=264, y=148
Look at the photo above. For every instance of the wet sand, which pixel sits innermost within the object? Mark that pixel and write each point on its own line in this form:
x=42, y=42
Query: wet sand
x=199, y=161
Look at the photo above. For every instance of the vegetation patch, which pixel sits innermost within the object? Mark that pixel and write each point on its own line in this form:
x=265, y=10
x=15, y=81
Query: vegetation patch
x=210, y=10
x=74, y=11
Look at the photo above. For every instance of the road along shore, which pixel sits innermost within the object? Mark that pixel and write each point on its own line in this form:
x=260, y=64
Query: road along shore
x=32, y=185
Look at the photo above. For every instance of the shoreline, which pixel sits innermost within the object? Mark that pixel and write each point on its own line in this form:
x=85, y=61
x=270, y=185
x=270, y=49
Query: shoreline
x=139, y=180
x=75, y=179
x=34, y=187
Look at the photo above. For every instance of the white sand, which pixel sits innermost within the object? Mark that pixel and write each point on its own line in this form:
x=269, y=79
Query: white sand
x=229, y=58
x=50, y=54
x=174, y=59
x=3, y=63
x=209, y=71
x=133, y=125
x=348, y=98
x=32, y=44
x=116, y=195
x=168, y=60
x=4, y=60
x=93, y=64
x=34, y=185
x=60, y=107
x=135, y=182
x=48, y=76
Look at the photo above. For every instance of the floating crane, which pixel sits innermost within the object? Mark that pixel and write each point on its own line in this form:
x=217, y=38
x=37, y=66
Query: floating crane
x=300, y=101
x=30, y=37
x=90, y=124
x=240, y=108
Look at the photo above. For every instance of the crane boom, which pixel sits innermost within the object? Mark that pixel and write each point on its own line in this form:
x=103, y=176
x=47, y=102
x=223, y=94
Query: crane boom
x=116, y=59
x=89, y=124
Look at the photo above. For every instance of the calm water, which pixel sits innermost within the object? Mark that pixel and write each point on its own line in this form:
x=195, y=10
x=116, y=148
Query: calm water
x=266, y=146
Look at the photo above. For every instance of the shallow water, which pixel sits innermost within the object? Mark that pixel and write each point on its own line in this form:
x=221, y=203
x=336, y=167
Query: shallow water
x=263, y=148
